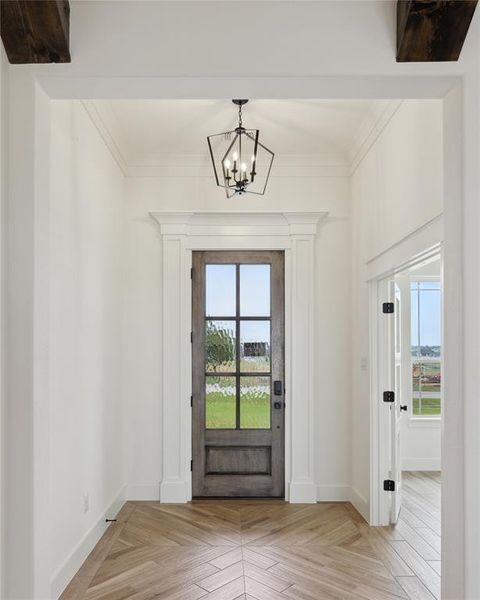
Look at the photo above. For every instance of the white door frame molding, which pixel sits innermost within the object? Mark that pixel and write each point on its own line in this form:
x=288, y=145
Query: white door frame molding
x=417, y=247
x=181, y=234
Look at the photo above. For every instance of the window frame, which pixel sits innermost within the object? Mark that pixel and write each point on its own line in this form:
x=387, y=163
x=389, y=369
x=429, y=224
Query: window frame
x=425, y=359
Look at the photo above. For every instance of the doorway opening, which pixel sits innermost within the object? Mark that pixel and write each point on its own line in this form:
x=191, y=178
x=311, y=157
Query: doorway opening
x=238, y=341
x=410, y=401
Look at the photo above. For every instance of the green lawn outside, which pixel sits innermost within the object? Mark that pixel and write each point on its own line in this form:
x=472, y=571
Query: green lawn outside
x=427, y=387
x=254, y=411
x=430, y=407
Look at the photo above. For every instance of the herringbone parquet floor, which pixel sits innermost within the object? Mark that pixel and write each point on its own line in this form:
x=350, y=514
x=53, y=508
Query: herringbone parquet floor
x=254, y=550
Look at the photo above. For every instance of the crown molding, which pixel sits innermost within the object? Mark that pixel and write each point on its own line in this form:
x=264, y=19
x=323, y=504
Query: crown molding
x=238, y=223
x=188, y=165
x=109, y=131
x=370, y=130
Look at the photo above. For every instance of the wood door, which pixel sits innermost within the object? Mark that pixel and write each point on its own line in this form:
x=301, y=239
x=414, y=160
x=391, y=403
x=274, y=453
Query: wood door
x=238, y=374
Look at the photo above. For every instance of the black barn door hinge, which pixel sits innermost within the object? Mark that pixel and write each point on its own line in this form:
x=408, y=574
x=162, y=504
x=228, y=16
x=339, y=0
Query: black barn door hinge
x=388, y=307
x=191, y=465
x=191, y=273
x=389, y=485
x=191, y=337
x=389, y=396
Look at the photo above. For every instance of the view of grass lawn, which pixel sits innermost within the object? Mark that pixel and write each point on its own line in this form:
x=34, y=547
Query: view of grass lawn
x=429, y=407
x=220, y=403
x=426, y=388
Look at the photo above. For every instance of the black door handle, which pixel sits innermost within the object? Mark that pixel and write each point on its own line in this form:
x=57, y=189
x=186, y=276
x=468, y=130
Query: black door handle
x=403, y=407
x=277, y=388
x=277, y=405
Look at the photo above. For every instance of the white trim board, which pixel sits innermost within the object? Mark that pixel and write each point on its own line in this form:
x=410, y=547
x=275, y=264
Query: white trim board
x=360, y=503
x=184, y=232
x=419, y=244
x=421, y=464
x=143, y=491
x=64, y=574
x=333, y=493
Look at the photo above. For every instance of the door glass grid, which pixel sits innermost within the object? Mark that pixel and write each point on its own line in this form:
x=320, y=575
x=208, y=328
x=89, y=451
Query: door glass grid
x=238, y=346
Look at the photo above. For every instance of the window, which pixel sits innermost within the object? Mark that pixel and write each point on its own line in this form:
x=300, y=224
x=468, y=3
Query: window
x=426, y=348
x=237, y=346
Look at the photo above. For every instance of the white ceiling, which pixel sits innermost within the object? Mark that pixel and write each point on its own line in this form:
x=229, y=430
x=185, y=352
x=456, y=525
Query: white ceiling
x=152, y=131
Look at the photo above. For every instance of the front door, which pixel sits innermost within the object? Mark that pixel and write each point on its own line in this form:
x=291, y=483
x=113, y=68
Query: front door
x=238, y=374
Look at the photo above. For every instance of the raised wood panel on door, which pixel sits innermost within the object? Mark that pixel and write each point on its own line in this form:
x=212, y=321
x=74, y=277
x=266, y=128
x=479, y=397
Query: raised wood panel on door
x=238, y=462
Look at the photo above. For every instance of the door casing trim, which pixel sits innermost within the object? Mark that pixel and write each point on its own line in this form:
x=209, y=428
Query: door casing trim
x=182, y=233
x=403, y=257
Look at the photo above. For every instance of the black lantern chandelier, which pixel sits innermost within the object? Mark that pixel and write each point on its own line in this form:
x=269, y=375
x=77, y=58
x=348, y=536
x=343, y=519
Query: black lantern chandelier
x=240, y=162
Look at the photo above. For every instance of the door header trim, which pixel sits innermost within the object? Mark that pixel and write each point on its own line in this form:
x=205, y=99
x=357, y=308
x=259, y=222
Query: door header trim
x=238, y=223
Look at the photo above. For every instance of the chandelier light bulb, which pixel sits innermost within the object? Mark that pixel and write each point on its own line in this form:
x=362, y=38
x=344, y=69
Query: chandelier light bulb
x=244, y=167
x=227, y=164
x=235, y=156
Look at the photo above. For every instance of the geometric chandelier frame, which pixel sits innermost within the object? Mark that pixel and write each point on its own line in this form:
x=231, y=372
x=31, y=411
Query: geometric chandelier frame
x=241, y=163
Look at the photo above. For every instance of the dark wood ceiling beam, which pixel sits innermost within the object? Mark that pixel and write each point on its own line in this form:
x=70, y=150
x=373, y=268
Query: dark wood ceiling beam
x=35, y=31
x=432, y=31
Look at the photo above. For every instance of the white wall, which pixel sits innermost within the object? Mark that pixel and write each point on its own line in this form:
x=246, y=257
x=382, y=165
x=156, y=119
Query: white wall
x=141, y=380
x=3, y=194
x=396, y=189
x=85, y=426
x=421, y=445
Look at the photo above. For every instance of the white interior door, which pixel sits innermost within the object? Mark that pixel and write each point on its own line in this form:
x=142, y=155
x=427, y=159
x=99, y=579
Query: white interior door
x=395, y=348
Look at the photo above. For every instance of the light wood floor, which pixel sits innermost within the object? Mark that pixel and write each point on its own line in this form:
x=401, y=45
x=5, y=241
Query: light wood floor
x=266, y=550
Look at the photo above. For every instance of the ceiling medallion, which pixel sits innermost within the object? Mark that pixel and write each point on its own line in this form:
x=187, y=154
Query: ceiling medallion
x=240, y=162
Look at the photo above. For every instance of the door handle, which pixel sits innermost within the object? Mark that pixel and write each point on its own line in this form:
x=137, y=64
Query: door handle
x=403, y=407
x=277, y=405
x=277, y=388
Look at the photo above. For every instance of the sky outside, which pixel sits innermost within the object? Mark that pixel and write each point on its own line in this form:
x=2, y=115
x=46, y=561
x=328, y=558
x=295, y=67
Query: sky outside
x=254, y=298
x=426, y=298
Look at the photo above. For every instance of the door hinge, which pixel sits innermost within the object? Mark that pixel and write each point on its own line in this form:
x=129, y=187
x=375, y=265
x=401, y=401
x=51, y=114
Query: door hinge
x=191, y=337
x=389, y=396
x=389, y=485
x=388, y=307
x=191, y=400
x=191, y=465
x=191, y=273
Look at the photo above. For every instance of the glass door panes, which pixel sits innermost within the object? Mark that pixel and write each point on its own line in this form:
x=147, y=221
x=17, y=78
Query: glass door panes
x=220, y=402
x=221, y=298
x=255, y=346
x=220, y=346
x=254, y=402
x=237, y=346
x=255, y=290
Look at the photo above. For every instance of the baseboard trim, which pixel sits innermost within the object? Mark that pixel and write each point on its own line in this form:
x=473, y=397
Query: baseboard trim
x=360, y=503
x=143, y=491
x=63, y=575
x=302, y=492
x=333, y=493
x=421, y=464
x=173, y=492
